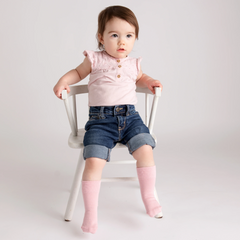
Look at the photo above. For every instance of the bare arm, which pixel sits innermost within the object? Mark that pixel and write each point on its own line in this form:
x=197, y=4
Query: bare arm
x=72, y=77
x=144, y=81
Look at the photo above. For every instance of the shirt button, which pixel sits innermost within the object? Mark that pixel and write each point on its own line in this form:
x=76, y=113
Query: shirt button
x=118, y=60
x=119, y=66
x=118, y=76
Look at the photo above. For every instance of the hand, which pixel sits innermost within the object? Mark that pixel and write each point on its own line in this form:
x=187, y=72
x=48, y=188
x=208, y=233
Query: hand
x=154, y=83
x=59, y=87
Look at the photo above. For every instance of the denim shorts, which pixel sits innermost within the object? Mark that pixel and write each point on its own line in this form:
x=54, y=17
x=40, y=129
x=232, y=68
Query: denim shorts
x=110, y=125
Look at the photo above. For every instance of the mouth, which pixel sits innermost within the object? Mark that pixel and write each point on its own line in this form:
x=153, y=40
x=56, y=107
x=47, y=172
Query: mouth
x=121, y=50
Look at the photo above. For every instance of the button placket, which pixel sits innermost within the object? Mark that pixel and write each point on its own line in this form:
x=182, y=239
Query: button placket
x=119, y=67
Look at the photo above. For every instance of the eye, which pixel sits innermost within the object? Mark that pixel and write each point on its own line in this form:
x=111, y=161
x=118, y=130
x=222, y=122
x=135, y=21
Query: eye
x=129, y=36
x=114, y=35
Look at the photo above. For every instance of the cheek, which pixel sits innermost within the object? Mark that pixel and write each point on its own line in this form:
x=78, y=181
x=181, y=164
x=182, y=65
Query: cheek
x=131, y=44
x=110, y=43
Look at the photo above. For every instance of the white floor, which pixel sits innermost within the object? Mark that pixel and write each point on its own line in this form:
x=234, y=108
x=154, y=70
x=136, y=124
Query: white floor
x=198, y=183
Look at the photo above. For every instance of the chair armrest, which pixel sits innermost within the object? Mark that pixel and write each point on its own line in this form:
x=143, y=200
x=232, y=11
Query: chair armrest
x=64, y=94
x=158, y=91
x=74, y=90
x=146, y=90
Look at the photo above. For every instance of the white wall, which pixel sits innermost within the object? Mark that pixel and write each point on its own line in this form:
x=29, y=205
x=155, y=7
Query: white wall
x=192, y=47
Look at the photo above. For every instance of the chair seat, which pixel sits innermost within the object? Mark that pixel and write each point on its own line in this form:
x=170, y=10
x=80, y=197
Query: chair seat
x=77, y=141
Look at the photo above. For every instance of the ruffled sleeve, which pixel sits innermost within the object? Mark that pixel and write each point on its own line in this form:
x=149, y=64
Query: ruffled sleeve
x=91, y=57
x=138, y=61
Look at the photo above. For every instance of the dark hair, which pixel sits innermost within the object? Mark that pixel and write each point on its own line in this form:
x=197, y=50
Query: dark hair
x=115, y=11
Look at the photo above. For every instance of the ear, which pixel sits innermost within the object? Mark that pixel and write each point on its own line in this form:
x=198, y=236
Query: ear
x=100, y=39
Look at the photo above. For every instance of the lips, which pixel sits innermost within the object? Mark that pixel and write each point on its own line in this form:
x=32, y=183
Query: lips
x=121, y=50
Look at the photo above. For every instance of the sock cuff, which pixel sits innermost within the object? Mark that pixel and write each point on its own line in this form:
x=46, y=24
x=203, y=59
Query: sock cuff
x=91, y=185
x=147, y=172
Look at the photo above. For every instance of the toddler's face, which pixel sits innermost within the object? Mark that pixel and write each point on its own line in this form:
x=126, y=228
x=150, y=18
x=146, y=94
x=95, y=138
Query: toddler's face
x=118, y=38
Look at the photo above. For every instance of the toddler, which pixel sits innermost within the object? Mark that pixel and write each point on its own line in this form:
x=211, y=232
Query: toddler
x=113, y=78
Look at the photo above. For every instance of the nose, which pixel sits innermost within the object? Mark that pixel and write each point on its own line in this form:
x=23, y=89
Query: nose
x=121, y=42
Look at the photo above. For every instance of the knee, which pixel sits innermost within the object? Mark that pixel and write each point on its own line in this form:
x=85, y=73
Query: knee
x=144, y=156
x=95, y=163
x=93, y=169
x=143, y=150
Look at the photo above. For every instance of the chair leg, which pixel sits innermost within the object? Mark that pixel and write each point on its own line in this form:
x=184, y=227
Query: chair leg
x=75, y=188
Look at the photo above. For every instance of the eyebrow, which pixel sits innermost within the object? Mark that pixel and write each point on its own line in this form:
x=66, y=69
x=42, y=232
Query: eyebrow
x=117, y=32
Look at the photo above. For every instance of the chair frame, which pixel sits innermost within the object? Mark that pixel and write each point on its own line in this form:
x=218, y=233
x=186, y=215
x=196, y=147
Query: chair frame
x=76, y=138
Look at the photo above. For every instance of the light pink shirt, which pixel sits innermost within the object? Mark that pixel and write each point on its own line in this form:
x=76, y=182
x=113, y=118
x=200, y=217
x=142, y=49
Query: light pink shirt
x=112, y=81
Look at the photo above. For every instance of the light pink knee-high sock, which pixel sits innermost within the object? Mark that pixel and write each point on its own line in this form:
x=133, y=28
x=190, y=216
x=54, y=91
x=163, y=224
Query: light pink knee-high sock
x=90, y=191
x=147, y=178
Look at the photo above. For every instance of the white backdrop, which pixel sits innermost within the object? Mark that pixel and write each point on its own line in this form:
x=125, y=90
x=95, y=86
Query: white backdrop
x=192, y=47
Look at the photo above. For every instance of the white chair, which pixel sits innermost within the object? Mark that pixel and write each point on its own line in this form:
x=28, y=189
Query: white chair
x=75, y=139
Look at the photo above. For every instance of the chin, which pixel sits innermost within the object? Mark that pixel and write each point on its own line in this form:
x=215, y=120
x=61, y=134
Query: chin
x=121, y=55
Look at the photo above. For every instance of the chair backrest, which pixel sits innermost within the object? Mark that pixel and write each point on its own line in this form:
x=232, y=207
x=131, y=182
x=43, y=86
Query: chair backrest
x=80, y=89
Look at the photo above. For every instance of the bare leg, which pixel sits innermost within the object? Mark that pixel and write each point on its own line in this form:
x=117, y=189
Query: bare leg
x=144, y=156
x=93, y=169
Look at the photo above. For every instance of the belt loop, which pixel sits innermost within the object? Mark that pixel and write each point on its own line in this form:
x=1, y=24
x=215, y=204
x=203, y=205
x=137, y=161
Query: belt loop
x=115, y=110
x=128, y=111
x=102, y=113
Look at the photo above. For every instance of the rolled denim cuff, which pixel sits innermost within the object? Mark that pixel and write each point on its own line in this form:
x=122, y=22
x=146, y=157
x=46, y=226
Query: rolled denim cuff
x=139, y=140
x=97, y=151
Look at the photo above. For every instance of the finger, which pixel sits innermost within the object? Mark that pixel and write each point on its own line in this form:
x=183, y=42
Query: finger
x=151, y=88
x=60, y=94
x=159, y=85
x=68, y=89
x=57, y=93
